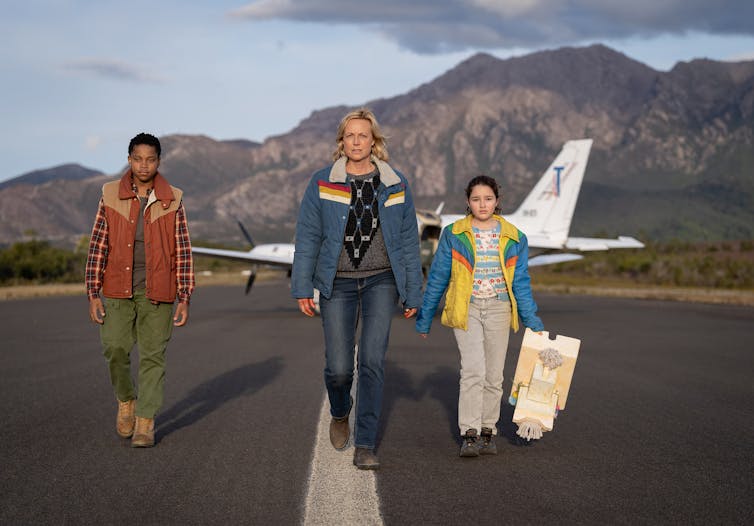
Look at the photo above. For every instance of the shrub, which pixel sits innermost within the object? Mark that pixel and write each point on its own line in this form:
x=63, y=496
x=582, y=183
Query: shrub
x=38, y=261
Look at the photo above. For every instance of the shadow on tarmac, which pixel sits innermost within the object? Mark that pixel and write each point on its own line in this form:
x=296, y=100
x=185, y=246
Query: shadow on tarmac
x=212, y=394
x=441, y=385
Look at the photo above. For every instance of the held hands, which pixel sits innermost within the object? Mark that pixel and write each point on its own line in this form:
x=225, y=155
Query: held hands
x=408, y=313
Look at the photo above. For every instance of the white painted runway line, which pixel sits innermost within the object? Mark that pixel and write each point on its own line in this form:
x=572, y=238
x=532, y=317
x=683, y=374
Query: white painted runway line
x=338, y=492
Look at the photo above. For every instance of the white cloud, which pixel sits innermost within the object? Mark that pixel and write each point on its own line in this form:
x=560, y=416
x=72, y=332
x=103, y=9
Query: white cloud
x=509, y=9
x=439, y=26
x=740, y=57
x=92, y=142
x=113, y=69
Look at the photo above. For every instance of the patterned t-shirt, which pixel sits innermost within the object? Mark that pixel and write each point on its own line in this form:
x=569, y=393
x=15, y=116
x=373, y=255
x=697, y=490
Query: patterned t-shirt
x=489, y=281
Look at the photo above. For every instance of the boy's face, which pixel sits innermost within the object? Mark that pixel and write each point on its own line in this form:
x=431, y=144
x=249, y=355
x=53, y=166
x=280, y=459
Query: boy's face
x=144, y=162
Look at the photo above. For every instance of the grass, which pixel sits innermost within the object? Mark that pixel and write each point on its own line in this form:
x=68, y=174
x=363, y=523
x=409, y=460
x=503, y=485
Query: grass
x=721, y=272
x=16, y=292
x=552, y=284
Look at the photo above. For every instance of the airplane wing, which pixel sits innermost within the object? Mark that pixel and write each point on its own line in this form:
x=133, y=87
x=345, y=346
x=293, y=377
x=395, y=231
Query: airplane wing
x=551, y=259
x=274, y=254
x=587, y=244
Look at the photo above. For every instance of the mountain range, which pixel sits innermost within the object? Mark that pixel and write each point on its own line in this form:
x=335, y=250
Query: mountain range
x=673, y=153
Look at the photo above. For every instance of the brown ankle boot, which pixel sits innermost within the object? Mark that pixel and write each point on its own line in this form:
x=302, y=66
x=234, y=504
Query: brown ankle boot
x=143, y=432
x=339, y=433
x=124, y=423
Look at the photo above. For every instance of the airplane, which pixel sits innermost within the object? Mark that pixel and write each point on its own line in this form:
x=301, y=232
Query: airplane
x=270, y=254
x=544, y=216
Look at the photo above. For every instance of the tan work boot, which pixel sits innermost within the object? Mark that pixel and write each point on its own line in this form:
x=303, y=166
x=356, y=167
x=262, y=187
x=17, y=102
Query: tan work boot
x=124, y=423
x=144, y=433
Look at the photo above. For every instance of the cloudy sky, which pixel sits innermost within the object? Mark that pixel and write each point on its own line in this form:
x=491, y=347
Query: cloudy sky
x=79, y=78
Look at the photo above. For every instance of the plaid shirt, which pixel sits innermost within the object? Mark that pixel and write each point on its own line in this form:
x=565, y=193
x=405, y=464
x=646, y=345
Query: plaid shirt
x=97, y=258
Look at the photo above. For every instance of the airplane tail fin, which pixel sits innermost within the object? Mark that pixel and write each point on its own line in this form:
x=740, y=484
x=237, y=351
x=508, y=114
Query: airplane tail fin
x=546, y=213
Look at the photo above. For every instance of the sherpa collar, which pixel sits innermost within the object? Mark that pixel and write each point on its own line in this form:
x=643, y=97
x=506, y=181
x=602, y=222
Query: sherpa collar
x=387, y=175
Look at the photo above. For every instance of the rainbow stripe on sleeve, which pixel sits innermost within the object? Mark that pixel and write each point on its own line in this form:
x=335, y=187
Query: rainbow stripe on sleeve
x=334, y=192
x=396, y=198
x=465, y=253
x=510, y=261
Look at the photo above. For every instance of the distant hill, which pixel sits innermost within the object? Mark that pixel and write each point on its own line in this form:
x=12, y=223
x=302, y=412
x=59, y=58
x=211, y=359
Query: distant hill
x=673, y=152
x=67, y=172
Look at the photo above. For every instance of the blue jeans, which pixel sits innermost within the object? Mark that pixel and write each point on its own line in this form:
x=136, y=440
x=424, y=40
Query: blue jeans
x=374, y=299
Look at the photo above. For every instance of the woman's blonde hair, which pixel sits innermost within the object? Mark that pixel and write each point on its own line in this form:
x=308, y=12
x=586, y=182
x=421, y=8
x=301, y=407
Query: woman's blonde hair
x=379, y=149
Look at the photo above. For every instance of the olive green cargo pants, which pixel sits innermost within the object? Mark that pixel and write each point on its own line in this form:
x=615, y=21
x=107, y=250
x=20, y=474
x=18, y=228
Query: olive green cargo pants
x=149, y=326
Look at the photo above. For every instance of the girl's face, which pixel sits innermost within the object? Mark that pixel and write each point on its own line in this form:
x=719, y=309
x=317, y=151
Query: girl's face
x=482, y=202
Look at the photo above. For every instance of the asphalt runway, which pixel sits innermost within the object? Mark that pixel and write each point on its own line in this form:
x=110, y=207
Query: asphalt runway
x=659, y=426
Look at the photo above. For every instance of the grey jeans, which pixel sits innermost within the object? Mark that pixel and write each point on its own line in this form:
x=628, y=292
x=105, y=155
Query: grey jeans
x=482, y=347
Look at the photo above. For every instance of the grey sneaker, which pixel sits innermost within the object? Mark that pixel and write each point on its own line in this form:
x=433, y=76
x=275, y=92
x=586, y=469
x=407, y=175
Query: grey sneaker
x=470, y=446
x=487, y=443
x=364, y=458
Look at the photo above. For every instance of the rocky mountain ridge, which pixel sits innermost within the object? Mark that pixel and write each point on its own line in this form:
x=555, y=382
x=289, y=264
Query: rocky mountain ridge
x=673, y=152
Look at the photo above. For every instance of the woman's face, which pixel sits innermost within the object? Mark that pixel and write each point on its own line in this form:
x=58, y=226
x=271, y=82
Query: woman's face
x=358, y=140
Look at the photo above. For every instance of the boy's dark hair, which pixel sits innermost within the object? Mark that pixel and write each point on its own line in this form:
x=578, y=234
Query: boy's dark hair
x=487, y=181
x=145, y=138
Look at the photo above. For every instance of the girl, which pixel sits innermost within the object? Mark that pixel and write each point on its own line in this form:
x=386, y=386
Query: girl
x=482, y=261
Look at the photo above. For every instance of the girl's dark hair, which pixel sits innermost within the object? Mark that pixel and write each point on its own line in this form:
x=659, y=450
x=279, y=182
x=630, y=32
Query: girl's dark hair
x=145, y=138
x=487, y=181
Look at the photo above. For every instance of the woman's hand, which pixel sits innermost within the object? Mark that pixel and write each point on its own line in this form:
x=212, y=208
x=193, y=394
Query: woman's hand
x=407, y=313
x=306, y=305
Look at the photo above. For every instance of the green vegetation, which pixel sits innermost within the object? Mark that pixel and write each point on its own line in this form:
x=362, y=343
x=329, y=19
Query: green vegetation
x=722, y=265
x=725, y=265
x=36, y=262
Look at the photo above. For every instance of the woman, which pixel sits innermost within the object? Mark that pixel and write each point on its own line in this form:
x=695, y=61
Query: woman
x=357, y=243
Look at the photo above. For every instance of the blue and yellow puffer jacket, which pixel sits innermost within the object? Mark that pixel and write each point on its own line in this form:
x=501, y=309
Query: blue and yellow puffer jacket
x=453, y=269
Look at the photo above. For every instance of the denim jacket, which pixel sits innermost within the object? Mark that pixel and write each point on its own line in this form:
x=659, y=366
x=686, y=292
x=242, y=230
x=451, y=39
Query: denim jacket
x=322, y=222
x=453, y=269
